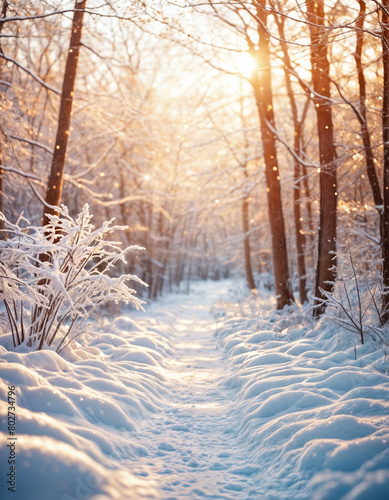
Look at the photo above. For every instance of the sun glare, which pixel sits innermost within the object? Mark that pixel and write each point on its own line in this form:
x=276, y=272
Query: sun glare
x=245, y=63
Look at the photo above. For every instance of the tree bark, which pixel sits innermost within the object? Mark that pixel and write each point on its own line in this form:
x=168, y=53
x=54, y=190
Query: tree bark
x=3, y=235
x=300, y=236
x=385, y=138
x=264, y=99
x=369, y=156
x=298, y=125
x=246, y=244
x=2, y=225
x=308, y=203
x=326, y=257
x=55, y=183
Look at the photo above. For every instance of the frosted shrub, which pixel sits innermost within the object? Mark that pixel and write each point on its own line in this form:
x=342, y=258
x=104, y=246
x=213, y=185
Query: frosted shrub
x=53, y=278
x=353, y=303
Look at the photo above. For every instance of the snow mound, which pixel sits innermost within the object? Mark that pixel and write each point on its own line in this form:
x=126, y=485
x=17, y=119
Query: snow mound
x=169, y=405
x=78, y=415
x=313, y=404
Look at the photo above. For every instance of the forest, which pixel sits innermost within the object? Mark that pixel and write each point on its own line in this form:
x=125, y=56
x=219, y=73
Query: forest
x=175, y=119
x=183, y=155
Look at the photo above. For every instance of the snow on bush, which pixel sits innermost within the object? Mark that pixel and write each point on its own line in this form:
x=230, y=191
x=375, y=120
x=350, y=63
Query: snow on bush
x=53, y=278
x=354, y=302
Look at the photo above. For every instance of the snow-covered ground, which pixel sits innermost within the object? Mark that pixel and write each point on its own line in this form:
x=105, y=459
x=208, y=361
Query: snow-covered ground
x=191, y=400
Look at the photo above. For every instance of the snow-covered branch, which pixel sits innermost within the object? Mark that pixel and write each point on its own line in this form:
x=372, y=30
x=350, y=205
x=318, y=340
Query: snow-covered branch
x=49, y=300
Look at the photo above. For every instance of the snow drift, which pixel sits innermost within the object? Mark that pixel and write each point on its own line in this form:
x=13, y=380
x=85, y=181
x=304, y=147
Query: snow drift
x=313, y=403
x=168, y=404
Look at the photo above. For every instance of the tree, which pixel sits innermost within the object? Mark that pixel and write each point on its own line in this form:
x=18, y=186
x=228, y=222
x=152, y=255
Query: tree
x=361, y=114
x=250, y=23
x=246, y=235
x=261, y=82
x=55, y=182
x=385, y=139
x=297, y=167
x=2, y=226
x=326, y=258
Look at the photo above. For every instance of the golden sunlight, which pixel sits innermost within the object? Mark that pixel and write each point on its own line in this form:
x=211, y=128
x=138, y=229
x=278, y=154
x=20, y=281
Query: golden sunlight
x=245, y=63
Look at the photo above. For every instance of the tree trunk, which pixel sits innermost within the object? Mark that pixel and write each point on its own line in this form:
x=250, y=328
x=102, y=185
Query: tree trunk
x=308, y=203
x=326, y=258
x=300, y=236
x=149, y=245
x=124, y=207
x=385, y=138
x=246, y=244
x=3, y=235
x=369, y=157
x=55, y=184
x=264, y=98
x=2, y=225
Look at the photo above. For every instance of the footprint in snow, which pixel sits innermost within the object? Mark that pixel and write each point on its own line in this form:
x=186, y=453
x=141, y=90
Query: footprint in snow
x=166, y=447
x=181, y=428
x=218, y=466
x=165, y=471
x=248, y=470
x=232, y=487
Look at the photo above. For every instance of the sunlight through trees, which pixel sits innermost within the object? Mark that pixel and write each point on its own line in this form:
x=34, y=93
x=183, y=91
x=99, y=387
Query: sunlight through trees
x=244, y=137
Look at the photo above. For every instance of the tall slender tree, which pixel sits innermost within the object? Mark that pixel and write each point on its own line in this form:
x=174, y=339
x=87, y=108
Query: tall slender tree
x=2, y=233
x=55, y=183
x=362, y=112
x=385, y=138
x=246, y=234
x=326, y=257
x=249, y=20
x=297, y=170
x=261, y=83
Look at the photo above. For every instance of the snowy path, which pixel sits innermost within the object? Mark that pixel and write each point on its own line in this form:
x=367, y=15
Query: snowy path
x=156, y=407
x=192, y=445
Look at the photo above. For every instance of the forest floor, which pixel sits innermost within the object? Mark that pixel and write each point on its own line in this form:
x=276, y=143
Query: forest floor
x=212, y=394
